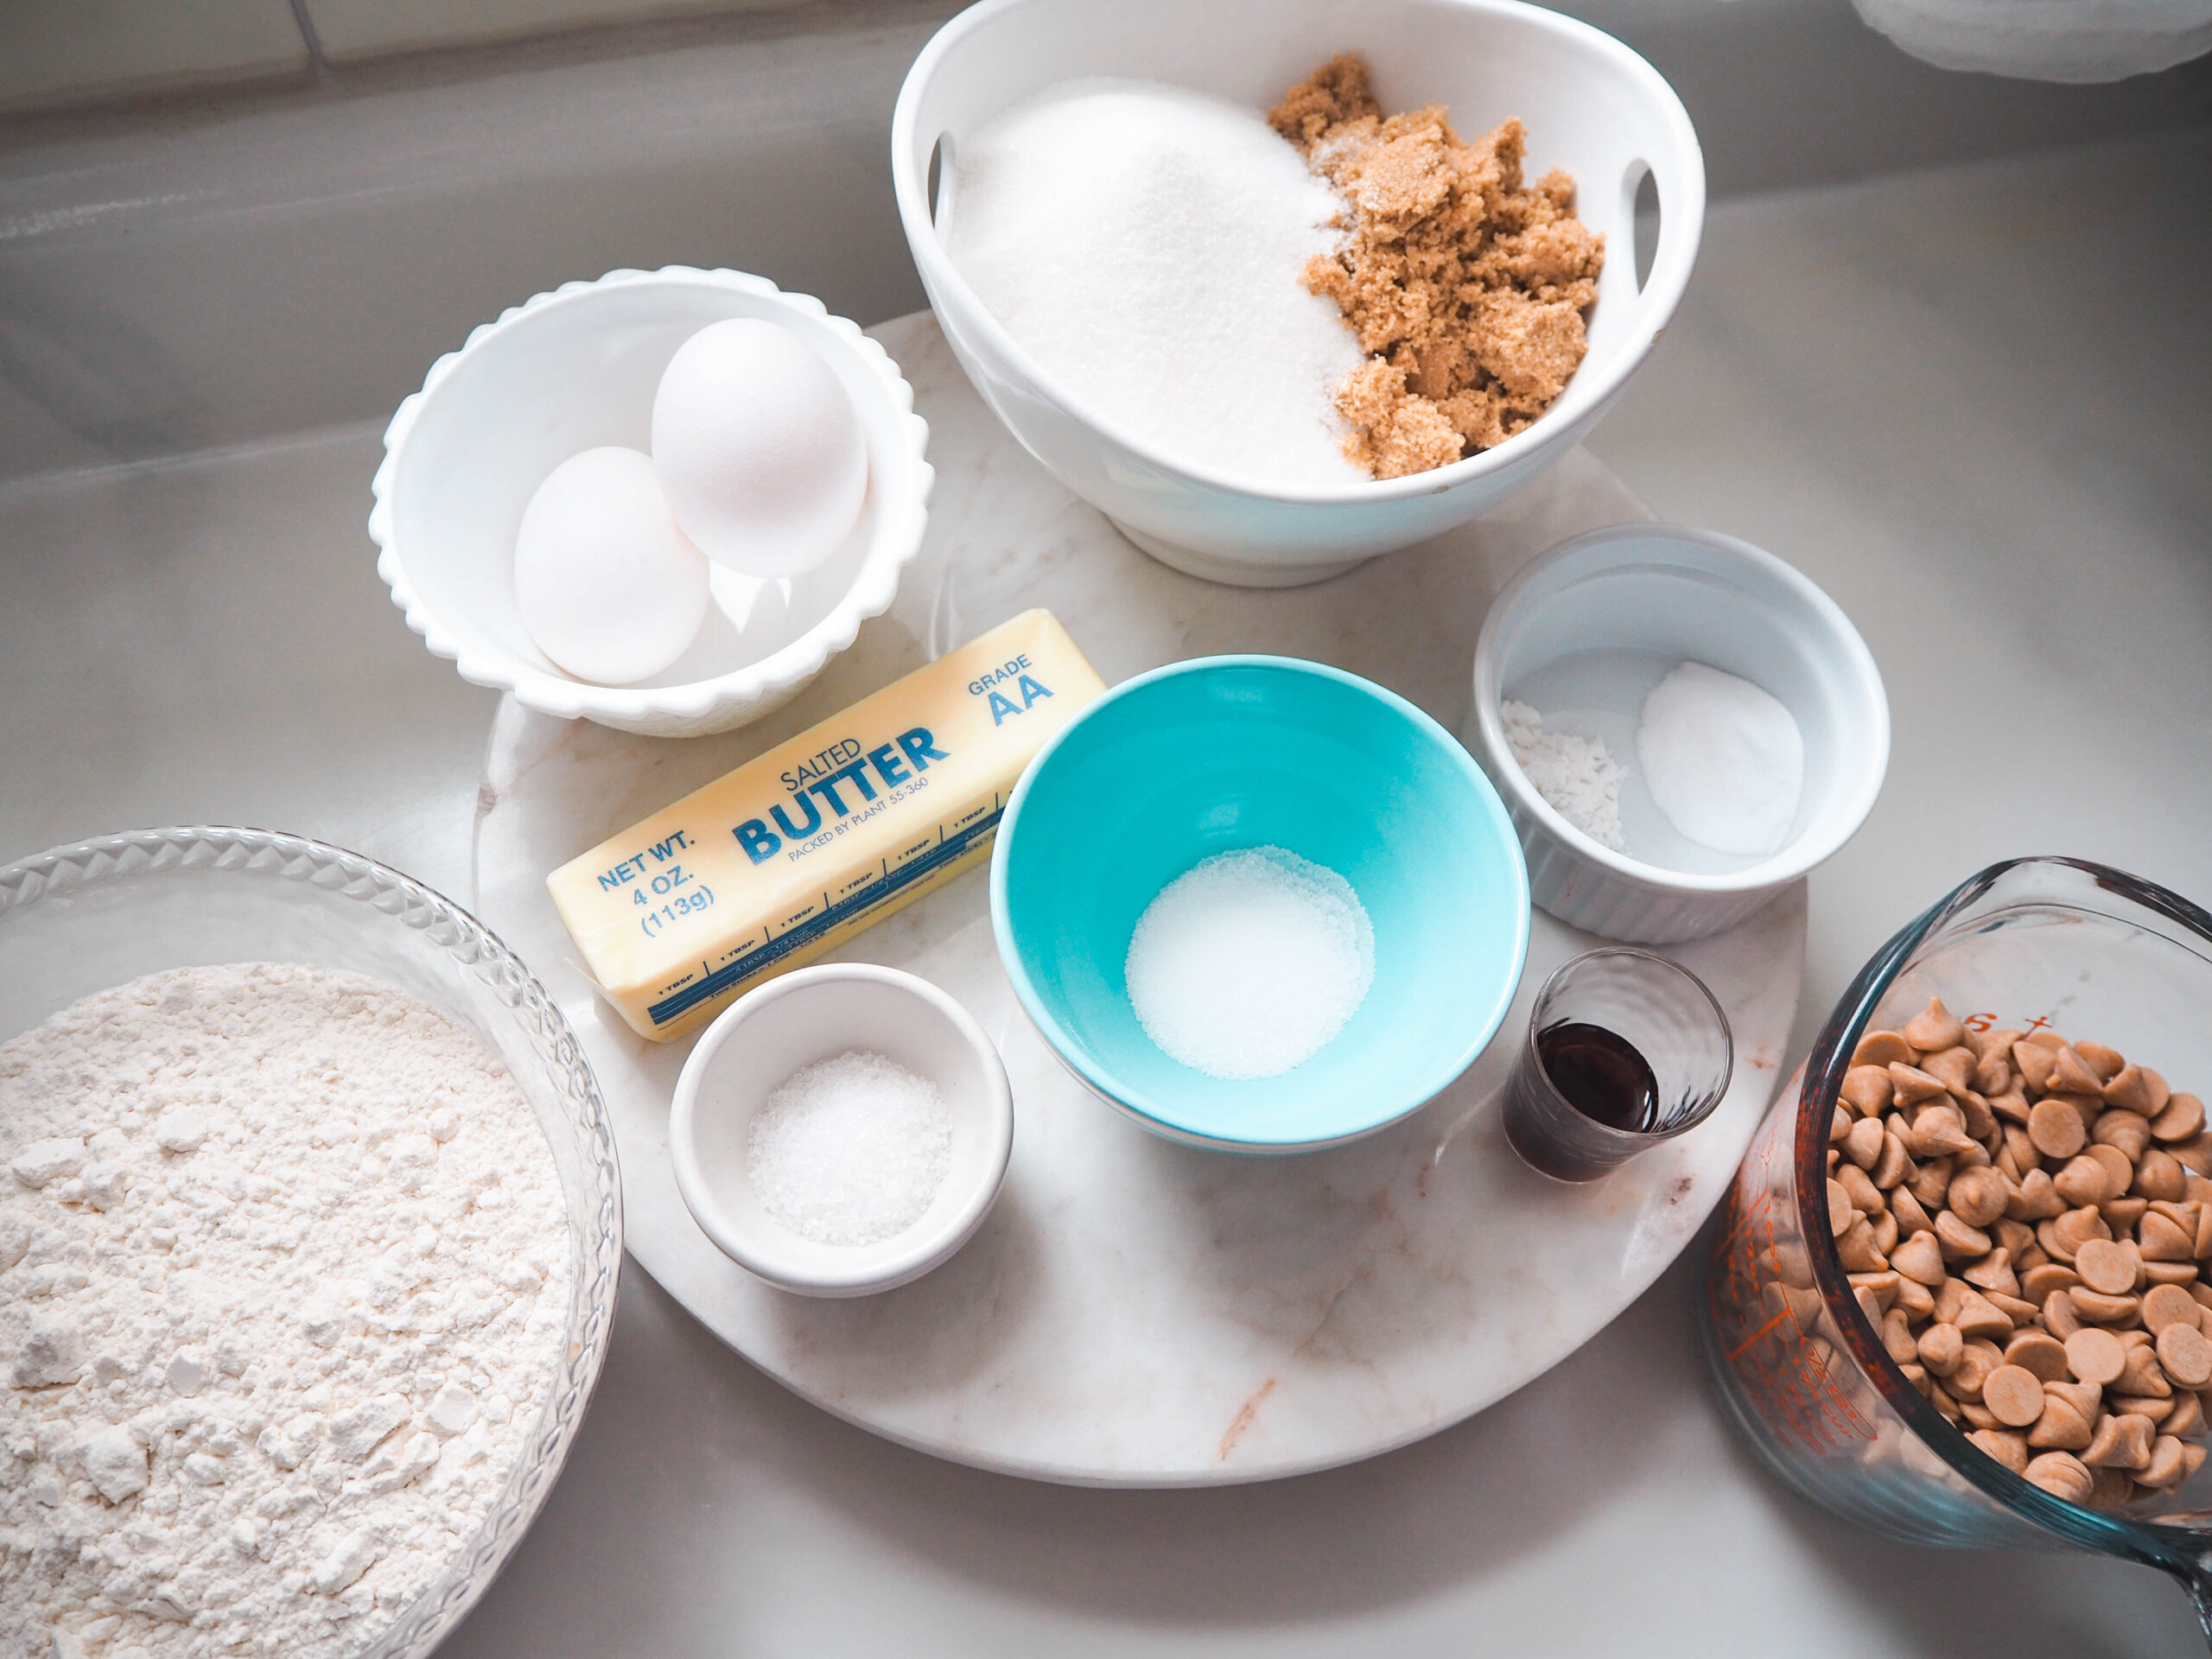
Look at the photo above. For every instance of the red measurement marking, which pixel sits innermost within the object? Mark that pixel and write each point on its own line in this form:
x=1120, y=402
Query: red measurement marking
x=1733, y=1353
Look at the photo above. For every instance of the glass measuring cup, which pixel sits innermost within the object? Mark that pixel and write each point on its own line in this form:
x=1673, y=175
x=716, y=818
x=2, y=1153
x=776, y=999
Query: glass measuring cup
x=2089, y=952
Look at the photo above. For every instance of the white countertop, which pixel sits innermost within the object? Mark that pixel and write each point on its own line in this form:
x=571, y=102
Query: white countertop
x=1975, y=405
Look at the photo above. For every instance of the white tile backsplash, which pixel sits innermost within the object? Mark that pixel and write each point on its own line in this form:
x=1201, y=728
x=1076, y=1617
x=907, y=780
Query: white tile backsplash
x=363, y=28
x=55, y=51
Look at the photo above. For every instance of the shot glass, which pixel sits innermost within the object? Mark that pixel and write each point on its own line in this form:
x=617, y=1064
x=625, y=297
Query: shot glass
x=1625, y=1049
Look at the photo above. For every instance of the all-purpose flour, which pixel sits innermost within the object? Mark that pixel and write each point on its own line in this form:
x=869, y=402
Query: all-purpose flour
x=283, y=1287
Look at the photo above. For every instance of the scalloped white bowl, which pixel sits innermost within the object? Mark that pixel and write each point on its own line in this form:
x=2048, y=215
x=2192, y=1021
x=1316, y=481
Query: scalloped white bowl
x=577, y=367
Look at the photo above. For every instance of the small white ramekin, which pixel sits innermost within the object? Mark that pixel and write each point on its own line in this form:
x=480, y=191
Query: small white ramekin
x=1699, y=596
x=814, y=1014
x=576, y=368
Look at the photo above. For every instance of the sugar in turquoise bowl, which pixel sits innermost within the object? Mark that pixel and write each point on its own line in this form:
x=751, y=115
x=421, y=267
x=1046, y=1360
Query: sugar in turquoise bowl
x=1227, y=753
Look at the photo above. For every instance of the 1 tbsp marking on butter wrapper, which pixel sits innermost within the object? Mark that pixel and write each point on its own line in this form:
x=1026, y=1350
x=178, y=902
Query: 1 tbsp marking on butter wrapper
x=828, y=833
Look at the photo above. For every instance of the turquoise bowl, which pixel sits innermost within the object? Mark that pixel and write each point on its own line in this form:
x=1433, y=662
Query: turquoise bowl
x=1226, y=753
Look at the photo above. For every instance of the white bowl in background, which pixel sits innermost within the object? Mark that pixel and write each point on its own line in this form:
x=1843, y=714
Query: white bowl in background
x=1586, y=629
x=576, y=368
x=1591, y=104
x=813, y=1015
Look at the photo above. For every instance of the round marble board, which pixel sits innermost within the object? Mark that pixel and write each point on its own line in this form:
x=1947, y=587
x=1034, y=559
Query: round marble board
x=1134, y=1313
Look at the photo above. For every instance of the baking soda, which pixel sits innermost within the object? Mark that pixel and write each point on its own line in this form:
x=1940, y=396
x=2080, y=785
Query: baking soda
x=850, y=1150
x=1723, y=760
x=1249, y=963
x=1144, y=244
x=1578, y=778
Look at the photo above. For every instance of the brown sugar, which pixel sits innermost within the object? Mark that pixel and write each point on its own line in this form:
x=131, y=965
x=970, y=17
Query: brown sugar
x=1466, y=289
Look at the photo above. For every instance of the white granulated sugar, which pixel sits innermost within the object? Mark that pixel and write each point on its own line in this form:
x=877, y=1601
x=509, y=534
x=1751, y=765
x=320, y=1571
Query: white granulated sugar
x=1574, y=774
x=1723, y=758
x=850, y=1150
x=284, y=1289
x=1144, y=244
x=1249, y=963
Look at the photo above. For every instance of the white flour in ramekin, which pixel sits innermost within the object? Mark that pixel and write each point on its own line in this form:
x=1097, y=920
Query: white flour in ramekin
x=285, y=1278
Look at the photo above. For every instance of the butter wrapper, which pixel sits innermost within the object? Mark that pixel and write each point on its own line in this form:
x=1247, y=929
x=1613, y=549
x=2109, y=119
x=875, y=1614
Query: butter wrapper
x=764, y=869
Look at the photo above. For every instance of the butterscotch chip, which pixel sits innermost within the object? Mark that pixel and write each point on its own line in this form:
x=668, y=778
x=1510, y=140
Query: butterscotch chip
x=2105, y=1064
x=2122, y=1442
x=2061, y=1426
x=2184, y=1414
x=1862, y=1193
x=1977, y=1359
x=2095, y=1356
x=1959, y=1241
x=2101, y=1309
x=1918, y=1258
x=2078, y=1227
x=1934, y=1027
x=1894, y=1165
x=2148, y=1406
x=2056, y=1129
x=1941, y=1347
x=1938, y=1132
x=1952, y=1067
x=1979, y=1317
x=1855, y=1248
x=2037, y=1199
x=1882, y=1287
x=1911, y=1218
x=1867, y=1090
x=2037, y=1283
x=2168, y=1305
x=2164, y=1240
x=1897, y=1338
x=2040, y=1354
x=2020, y=1311
x=1863, y=1145
x=2129, y=1087
x=1912, y=1083
x=2142, y=1374
x=2072, y=1075
x=2058, y=1315
x=1881, y=1048
x=2061, y=1475
x=2185, y=1355
x=2168, y=1463
x=1992, y=1275
x=2160, y=1178
x=2013, y=1395
x=2182, y=1119
x=1841, y=1211
x=2008, y=1448
x=2081, y=1181
x=2106, y=1266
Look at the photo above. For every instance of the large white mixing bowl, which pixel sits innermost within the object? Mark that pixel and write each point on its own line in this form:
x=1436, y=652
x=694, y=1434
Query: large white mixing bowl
x=1591, y=106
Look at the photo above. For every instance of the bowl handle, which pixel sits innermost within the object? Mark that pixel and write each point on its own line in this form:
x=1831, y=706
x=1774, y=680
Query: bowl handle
x=936, y=183
x=1632, y=181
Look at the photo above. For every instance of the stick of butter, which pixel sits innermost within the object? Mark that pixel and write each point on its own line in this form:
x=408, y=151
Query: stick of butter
x=764, y=869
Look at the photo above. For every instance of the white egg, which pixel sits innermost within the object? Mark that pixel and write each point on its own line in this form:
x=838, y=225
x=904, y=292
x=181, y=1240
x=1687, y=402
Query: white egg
x=606, y=584
x=758, y=450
